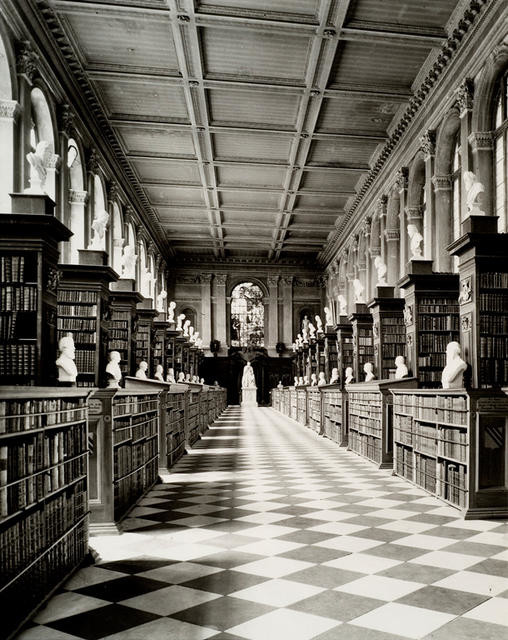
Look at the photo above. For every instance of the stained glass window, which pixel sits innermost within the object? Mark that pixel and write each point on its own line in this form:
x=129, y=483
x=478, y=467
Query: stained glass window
x=247, y=316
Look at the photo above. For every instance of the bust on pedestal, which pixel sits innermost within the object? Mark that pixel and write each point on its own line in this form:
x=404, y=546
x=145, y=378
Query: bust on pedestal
x=249, y=389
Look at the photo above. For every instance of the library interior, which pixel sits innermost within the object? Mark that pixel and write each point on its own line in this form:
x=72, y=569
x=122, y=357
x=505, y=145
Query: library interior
x=253, y=319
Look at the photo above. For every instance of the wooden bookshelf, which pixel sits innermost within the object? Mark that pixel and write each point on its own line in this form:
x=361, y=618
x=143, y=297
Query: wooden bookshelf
x=431, y=316
x=345, y=347
x=320, y=354
x=293, y=403
x=388, y=331
x=174, y=435
x=453, y=444
x=43, y=495
x=277, y=395
x=331, y=360
x=483, y=298
x=370, y=418
x=160, y=347
x=144, y=334
x=313, y=414
x=193, y=408
x=123, y=301
x=171, y=336
x=334, y=413
x=28, y=282
x=363, y=339
x=84, y=311
x=301, y=405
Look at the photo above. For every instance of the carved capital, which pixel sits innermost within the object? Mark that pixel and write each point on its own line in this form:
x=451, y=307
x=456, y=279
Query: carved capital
x=78, y=197
x=128, y=215
x=26, y=61
x=322, y=281
x=414, y=213
x=113, y=191
x=9, y=109
x=367, y=225
x=428, y=143
x=375, y=251
x=288, y=280
x=92, y=161
x=464, y=95
x=53, y=161
x=205, y=278
x=481, y=141
x=272, y=281
x=221, y=278
x=65, y=119
x=442, y=183
x=401, y=178
x=392, y=235
x=381, y=206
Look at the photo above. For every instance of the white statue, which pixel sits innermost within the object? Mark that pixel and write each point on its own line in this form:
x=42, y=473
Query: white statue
x=159, y=373
x=453, y=374
x=301, y=381
x=313, y=380
x=368, y=369
x=328, y=317
x=319, y=324
x=299, y=340
x=416, y=240
x=342, y=305
x=181, y=377
x=128, y=263
x=401, y=370
x=473, y=190
x=179, y=321
x=171, y=376
x=306, y=380
x=67, y=370
x=349, y=375
x=195, y=379
x=280, y=386
x=186, y=326
x=305, y=324
x=248, y=379
x=38, y=161
x=187, y=378
x=171, y=311
x=99, y=224
x=160, y=300
x=296, y=381
x=191, y=334
x=294, y=347
x=202, y=381
x=358, y=289
x=335, y=376
x=381, y=271
x=113, y=370
x=312, y=331
x=142, y=368
x=321, y=379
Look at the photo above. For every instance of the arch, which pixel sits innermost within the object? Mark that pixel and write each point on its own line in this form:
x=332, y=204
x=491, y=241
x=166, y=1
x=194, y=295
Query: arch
x=8, y=80
x=117, y=231
x=247, y=316
x=235, y=281
x=482, y=118
x=100, y=215
x=42, y=129
x=77, y=201
x=142, y=266
x=416, y=181
x=8, y=97
x=445, y=142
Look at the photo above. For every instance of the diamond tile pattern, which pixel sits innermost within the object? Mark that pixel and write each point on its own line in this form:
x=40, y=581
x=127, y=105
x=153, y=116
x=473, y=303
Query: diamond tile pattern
x=289, y=537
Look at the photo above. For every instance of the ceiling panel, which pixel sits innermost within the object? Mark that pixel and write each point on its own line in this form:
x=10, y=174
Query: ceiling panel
x=156, y=141
x=251, y=146
x=341, y=152
x=250, y=199
x=253, y=107
x=174, y=195
x=349, y=115
x=255, y=53
x=177, y=214
x=320, y=202
x=329, y=181
x=251, y=176
x=291, y=7
x=171, y=171
x=431, y=13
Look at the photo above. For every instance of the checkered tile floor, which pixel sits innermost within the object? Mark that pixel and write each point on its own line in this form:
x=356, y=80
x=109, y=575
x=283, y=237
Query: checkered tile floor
x=268, y=532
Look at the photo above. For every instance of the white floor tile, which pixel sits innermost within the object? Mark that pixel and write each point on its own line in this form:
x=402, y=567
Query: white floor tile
x=493, y=610
x=277, y=593
x=282, y=624
x=380, y=587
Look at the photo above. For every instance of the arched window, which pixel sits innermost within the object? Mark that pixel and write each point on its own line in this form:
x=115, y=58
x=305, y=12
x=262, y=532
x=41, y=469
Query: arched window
x=247, y=316
x=456, y=197
x=501, y=154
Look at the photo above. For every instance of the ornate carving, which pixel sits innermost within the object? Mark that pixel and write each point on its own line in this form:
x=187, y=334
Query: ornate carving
x=26, y=60
x=375, y=330
x=409, y=340
x=50, y=315
x=322, y=281
x=367, y=225
x=381, y=206
x=77, y=197
x=65, y=119
x=9, y=109
x=464, y=94
x=428, y=143
x=272, y=281
x=414, y=213
x=442, y=183
x=52, y=279
x=113, y=191
x=205, y=278
x=92, y=163
x=408, y=315
x=221, y=278
x=305, y=282
x=392, y=234
x=401, y=178
x=288, y=280
x=53, y=161
x=465, y=322
x=128, y=215
x=466, y=291
x=481, y=141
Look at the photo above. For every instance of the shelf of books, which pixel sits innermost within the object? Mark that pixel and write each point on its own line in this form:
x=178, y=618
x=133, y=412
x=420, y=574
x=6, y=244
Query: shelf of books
x=431, y=316
x=320, y=354
x=314, y=409
x=388, y=330
x=301, y=405
x=171, y=335
x=277, y=395
x=293, y=403
x=123, y=301
x=370, y=418
x=28, y=280
x=483, y=300
x=344, y=346
x=43, y=495
x=193, y=408
x=144, y=332
x=180, y=355
x=453, y=444
x=160, y=338
x=334, y=413
x=84, y=312
x=330, y=353
x=286, y=402
x=173, y=437
x=363, y=339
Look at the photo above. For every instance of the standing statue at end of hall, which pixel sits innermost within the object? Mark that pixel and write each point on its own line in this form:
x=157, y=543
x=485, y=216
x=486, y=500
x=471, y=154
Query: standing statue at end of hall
x=249, y=389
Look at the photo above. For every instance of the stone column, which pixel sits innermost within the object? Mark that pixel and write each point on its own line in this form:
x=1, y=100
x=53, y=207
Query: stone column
x=402, y=183
x=482, y=147
x=444, y=227
x=9, y=112
x=430, y=242
x=392, y=237
x=77, y=203
x=287, y=299
x=205, y=279
x=92, y=167
x=368, y=264
x=273, y=312
x=220, y=324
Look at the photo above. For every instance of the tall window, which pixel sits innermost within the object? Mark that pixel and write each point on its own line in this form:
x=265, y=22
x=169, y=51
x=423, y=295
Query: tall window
x=501, y=154
x=456, y=197
x=247, y=316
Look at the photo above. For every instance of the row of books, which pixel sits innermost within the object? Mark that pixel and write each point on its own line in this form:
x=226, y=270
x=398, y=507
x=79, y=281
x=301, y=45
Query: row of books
x=80, y=337
x=79, y=310
x=75, y=295
x=453, y=483
x=493, y=324
x=425, y=438
x=12, y=268
x=447, y=408
x=85, y=360
x=365, y=445
x=438, y=323
x=392, y=350
x=118, y=334
x=452, y=443
x=493, y=371
x=135, y=404
x=18, y=359
x=128, y=489
x=440, y=302
x=403, y=458
x=493, y=346
x=432, y=360
x=364, y=425
x=77, y=324
x=118, y=345
x=494, y=280
x=403, y=429
x=497, y=302
x=434, y=344
x=15, y=325
x=22, y=298
x=425, y=472
x=24, y=415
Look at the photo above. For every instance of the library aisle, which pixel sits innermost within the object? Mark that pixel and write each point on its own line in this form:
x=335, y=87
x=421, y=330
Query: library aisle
x=267, y=531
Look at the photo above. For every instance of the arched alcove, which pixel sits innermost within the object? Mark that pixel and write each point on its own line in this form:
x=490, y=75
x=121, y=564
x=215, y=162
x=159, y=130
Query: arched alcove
x=77, y=202
x=247, y=317
x=42, y=139
x=100, y=216
x=416, y=204
x=118, y=237
x=392, y=236
x=8, y=96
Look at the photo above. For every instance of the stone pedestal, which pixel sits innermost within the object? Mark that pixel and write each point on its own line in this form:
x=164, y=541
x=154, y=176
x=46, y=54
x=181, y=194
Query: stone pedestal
x=249, y=397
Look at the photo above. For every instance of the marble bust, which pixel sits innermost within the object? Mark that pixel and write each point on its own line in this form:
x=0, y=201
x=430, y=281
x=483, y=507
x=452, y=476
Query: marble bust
x=67, y=370
x=171, y=311
x=38, y=161
x=179, y=321
x=368, y=369
x=159, y=373
x=248, y=379
x=301, y=381
x=141, y=372
x=171, y=375
x=181, y=377
x=328, y=317
x=416, y=239
x=321, y=379
x=335, y=376
x=160, y=300
x=113, y=370
x=319, y=324
x=381, y=271
x=349, y=375
x=401, y=368
x=453, y=373
x=99, y=224
x=313, y=380
x=473, y=189
x=295, y=383
x=358, y=289
x=342, y=305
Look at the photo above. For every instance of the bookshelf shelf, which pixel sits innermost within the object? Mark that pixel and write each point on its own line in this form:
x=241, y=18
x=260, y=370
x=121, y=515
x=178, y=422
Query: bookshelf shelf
x=121, y=337
x=334, y=414
x=453, y=444
x=363, y=339
x=43, y=495
x=313, y=413
x=389, y=331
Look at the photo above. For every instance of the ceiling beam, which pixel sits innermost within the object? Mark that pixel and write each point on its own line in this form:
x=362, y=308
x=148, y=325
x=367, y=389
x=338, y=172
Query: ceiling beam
x=394, y=37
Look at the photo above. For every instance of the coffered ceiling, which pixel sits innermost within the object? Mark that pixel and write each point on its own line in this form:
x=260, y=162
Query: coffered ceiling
x=250, y=124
